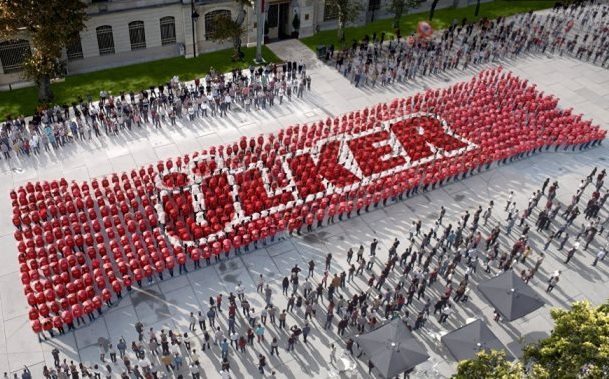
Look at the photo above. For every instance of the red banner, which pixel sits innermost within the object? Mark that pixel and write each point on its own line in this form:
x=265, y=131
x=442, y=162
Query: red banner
x=81, y=244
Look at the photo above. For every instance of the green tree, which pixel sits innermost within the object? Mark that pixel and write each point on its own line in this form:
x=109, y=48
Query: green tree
x=51, y=25
x=346, y=11
x=578, y=344
x=489, y=365
x=228, y=29
x=432, y=8
x=399, y=8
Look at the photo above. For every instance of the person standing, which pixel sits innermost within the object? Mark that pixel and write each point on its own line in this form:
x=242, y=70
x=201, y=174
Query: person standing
x=373, y=247
x=328, y=261
x=332, y=353
x=268, y=293
x=349, y=255
x=201, y=320
x=275, y=346
x=311, y=268
x=139, y=327
x=285, y=284
x=599, y=256
x=193, y=322
x=509, y=200
x=554, y=278
x=305, y=331
x=261, y=363
x=260, y=284
x=570, y=254
x=55, y=354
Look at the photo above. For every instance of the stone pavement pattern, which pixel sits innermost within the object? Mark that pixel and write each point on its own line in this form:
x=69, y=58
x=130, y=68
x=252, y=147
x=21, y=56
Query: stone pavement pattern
x=167, y=304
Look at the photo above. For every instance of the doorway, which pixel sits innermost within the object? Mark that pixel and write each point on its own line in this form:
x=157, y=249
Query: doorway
x=278, y=21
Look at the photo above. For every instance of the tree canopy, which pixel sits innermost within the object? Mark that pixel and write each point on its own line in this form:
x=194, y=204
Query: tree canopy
x=578, y=346
x=399, y=8
x=225, y=28
x=51, y=25
x=346, y=11
x=489, y=365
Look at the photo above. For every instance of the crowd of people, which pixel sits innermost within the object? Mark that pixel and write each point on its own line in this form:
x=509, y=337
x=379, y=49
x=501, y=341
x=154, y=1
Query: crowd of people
x=68, y=273
x=211, y=97
x=427, y=275
x=580, y=31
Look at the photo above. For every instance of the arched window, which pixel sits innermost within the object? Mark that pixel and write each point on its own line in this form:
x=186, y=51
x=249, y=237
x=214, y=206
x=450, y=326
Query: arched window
x=105, y=40
x=13, y=54
x=210, y=18
x=137, y=36
x=74, y=49
x=168, y=30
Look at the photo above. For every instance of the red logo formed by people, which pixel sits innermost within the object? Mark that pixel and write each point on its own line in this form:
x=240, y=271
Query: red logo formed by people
x=81, y=244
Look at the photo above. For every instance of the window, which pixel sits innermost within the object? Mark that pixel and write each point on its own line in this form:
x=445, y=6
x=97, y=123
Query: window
x=74, y=49
x=210, y=19
x=137, y=36
x=168, y=31
x=12, y=55
x=374, y=5
x=330, y=12
x=105, y=40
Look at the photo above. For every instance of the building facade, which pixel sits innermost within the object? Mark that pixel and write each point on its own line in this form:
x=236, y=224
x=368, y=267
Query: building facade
x=123, y=32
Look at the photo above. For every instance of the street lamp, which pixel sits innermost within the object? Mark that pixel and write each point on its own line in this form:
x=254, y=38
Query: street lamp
x=259, y=30
x=194, y=17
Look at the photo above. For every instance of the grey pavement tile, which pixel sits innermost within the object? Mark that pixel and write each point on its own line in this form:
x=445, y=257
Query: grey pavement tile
x=10, y=265
x=21, y=345
x=170, y=284
x=150, y=304
x=4, y=367
x=121, y=323
x=14, y=304
x=181, y=302
x=90, y=334
x=279, y=247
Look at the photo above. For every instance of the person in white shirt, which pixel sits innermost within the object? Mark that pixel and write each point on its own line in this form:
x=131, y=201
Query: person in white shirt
x=599, y=256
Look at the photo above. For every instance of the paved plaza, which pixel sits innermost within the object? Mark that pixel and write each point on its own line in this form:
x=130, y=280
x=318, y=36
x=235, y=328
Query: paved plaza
x=167, y=304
